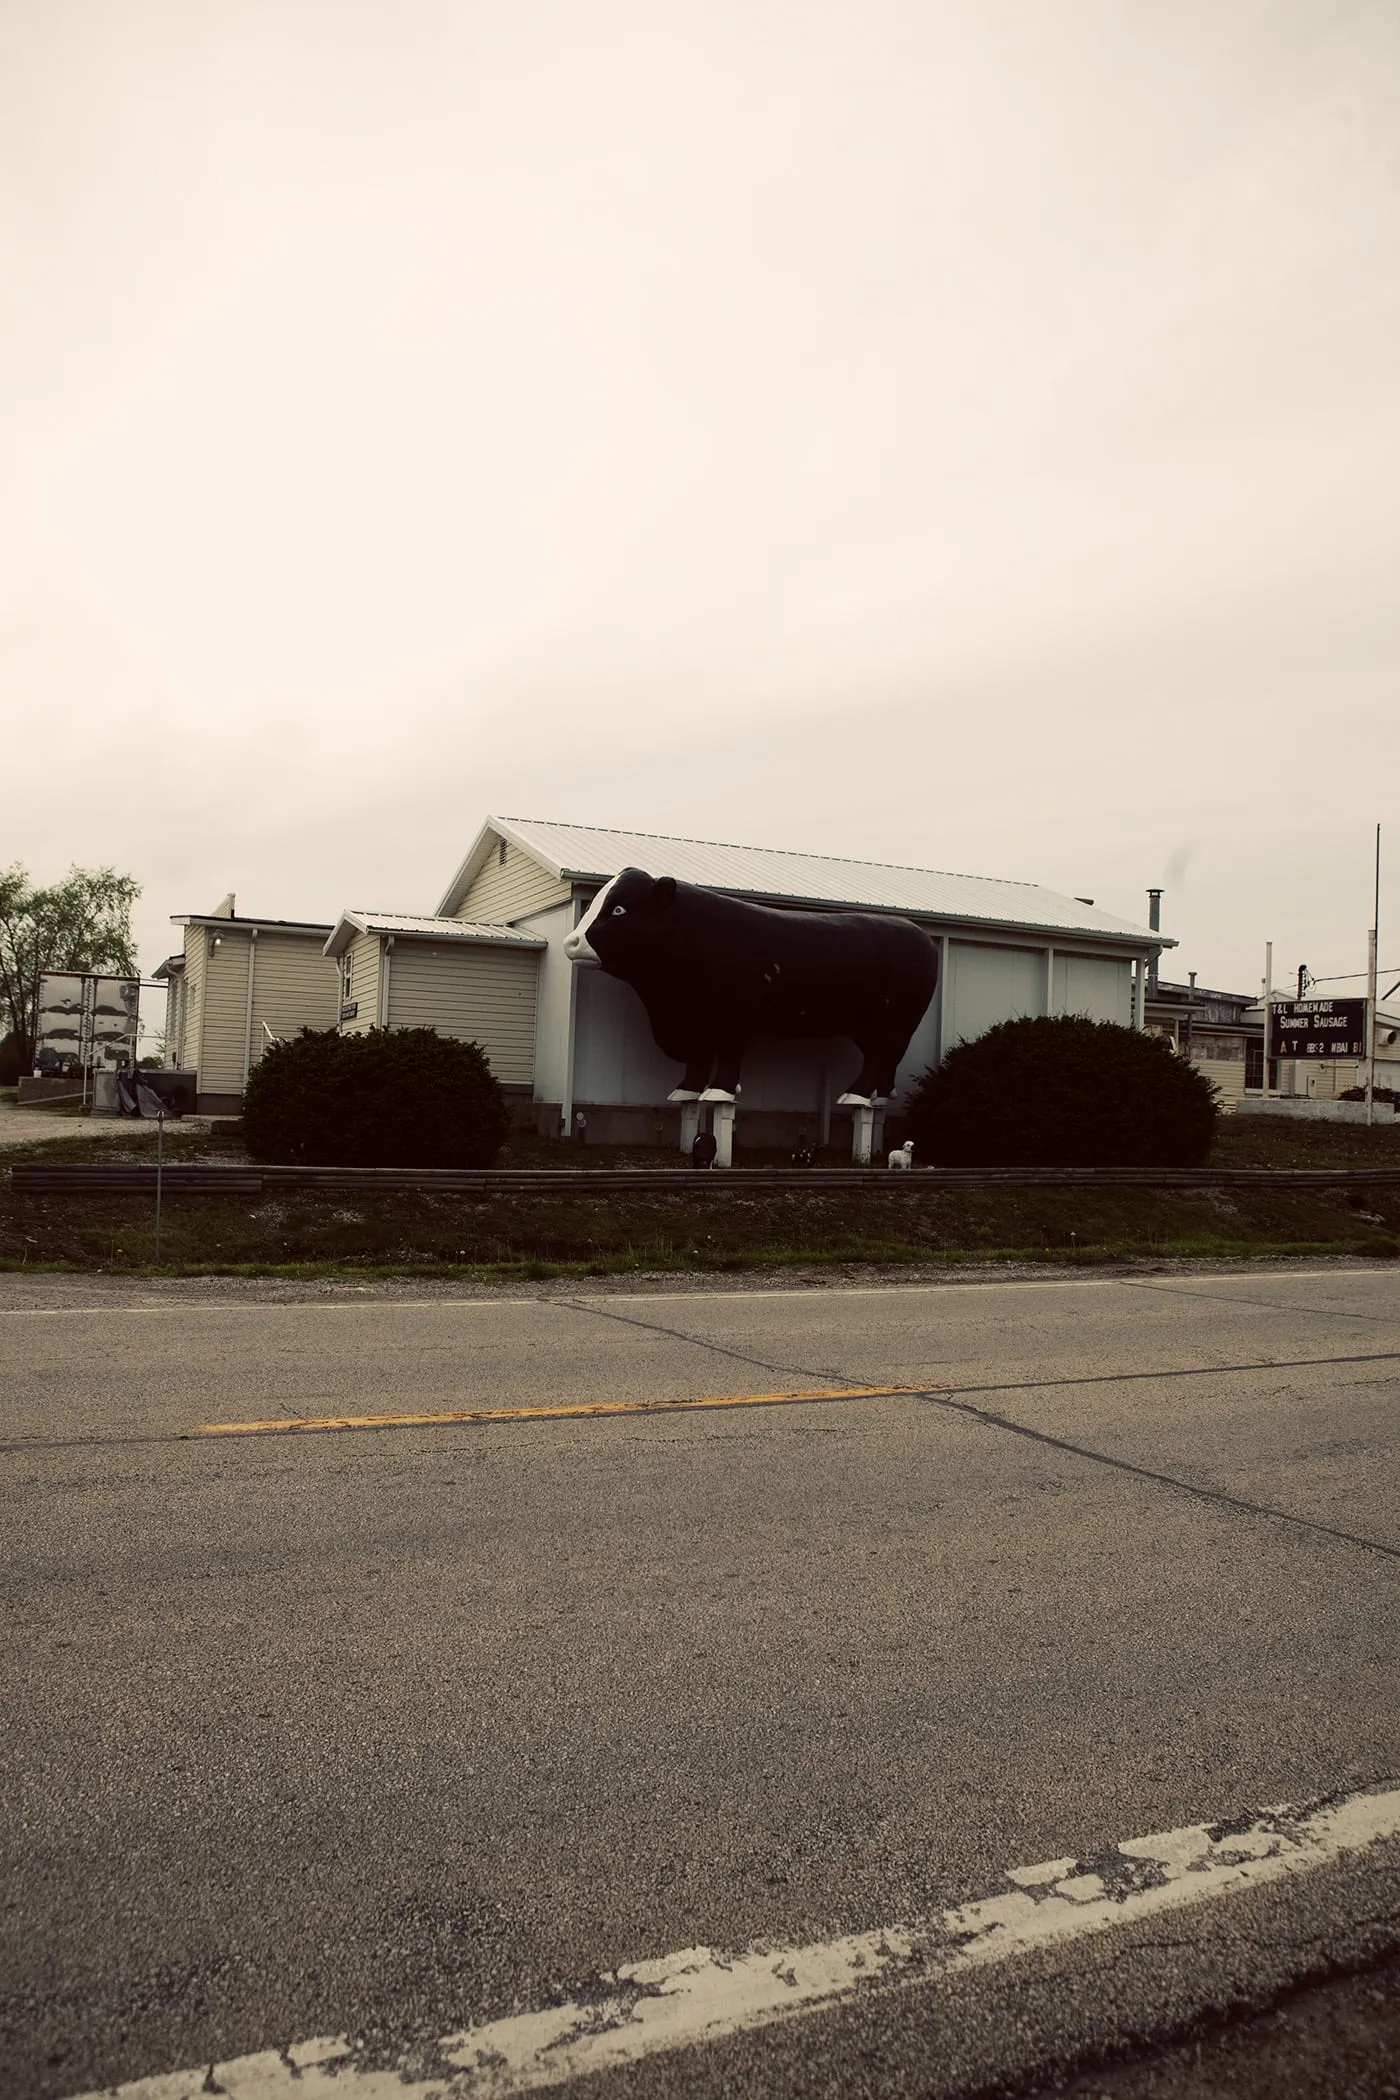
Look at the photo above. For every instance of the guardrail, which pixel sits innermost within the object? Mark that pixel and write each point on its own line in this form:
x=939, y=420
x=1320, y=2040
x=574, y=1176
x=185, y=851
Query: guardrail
x=110, y=1179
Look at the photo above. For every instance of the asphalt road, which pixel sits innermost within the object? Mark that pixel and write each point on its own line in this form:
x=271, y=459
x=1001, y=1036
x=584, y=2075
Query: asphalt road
x=391, y=1731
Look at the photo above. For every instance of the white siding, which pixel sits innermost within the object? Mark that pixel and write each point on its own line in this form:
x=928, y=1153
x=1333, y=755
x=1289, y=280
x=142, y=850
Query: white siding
x=505, y=893
x=987, y=985
x=478, y=994
x=1098, y=986
x=363, y=954
x=224, y=1012
x=294, y=987
x=192, y=1009
x=1228, y=1074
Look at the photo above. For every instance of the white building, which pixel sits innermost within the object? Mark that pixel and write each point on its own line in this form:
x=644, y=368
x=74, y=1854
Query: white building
x=489, y=965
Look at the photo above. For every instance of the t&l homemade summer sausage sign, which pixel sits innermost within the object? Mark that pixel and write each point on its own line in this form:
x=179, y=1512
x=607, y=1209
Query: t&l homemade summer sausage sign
x=1318, y=1028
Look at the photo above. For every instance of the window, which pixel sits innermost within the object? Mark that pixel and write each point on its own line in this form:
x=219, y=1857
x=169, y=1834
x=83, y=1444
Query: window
x=347, y=991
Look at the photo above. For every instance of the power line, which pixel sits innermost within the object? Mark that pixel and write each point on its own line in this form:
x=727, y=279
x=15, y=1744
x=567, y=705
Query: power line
x=1349, y=976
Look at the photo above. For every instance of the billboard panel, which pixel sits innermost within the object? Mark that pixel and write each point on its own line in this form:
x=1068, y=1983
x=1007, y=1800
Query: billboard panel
x=58, y=1040
x=85, y=1023
x=115, y=1018
x=1318, y=1028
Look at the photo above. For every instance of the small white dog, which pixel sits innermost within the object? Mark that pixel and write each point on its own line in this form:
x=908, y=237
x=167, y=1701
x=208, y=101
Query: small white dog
x=902, y=1158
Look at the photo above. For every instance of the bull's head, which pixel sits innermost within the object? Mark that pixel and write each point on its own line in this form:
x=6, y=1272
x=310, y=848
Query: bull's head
x=627, y=921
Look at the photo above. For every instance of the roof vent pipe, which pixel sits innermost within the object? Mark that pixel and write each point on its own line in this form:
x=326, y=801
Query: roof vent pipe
x=1154, y=920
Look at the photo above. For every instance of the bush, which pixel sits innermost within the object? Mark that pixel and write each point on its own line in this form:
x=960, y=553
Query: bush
x=16, y=1058
x=405, y=1097
x=1063, y=1092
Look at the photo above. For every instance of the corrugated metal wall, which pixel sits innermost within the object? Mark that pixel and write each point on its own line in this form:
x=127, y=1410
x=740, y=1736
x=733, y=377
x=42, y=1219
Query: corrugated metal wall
x=480, y=995
x=987, y=985
x=1097, y=985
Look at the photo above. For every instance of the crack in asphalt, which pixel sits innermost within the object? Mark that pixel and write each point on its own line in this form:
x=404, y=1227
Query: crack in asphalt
x=1184, y=1487
x=956, y=1399
x=949, y=1398
x=1313, y=1312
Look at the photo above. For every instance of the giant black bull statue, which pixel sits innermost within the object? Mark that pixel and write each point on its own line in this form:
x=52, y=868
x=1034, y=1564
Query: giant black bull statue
x=714, y=974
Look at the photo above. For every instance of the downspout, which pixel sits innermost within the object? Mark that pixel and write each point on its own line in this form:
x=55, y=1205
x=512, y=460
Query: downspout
x=386, y=943
x=566, y=1106
x=248, y=1013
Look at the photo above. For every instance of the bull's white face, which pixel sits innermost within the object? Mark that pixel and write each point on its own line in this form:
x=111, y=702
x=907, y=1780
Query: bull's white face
x=578, y=947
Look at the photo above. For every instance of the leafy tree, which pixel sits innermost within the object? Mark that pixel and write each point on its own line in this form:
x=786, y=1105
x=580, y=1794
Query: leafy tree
x=403, y=1097
x=1063, y=1091
x=80, y=923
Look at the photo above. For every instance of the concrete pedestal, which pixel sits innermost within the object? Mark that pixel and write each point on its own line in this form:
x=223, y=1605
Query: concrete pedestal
x=724, y=1133
x=867, y=1134
x=692, y=1119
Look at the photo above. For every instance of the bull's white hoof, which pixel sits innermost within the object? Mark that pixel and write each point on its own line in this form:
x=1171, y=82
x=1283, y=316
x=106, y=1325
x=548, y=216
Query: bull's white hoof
x=715, y=1093
x=855, y=1100
x=678, y=1093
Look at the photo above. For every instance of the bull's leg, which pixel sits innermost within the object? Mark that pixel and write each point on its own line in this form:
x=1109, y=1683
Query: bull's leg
x=725, y=1084
x=875, y=1080
x=694, y=1079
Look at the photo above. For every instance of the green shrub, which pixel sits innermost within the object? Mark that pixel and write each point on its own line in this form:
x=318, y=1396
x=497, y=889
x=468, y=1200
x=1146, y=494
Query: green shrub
x=405, y=1097
x=1063, y=1092
x=16, y=1058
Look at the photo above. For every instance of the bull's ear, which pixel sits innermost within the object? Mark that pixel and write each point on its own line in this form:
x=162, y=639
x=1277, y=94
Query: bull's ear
x=664, y=893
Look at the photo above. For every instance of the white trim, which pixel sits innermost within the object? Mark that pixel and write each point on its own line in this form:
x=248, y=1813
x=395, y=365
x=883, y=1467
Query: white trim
x=386, y=943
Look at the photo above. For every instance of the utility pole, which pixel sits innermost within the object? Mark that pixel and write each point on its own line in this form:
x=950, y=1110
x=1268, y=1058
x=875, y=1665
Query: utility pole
x=1372, y=951
x=1268, y=1005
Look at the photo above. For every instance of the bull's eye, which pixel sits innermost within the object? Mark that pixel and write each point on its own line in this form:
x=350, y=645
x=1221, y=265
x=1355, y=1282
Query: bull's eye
x=619, y=911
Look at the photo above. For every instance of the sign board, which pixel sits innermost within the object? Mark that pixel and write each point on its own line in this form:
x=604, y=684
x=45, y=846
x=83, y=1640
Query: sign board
x=1318, y=1028
x=86, y=1024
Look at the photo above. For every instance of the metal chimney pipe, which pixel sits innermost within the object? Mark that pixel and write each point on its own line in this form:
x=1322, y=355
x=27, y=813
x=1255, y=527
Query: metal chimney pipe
x=1154, y=920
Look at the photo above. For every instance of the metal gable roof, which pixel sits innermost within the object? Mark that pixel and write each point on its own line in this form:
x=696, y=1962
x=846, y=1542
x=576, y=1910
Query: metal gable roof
x=583, y=853
x=415, y=926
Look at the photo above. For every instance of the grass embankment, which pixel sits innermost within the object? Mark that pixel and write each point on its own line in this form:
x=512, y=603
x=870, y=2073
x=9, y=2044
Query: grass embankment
x=718, y=1227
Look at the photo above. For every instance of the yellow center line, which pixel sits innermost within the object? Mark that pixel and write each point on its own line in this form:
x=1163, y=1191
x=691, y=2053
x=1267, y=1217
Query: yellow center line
x=290, y=1425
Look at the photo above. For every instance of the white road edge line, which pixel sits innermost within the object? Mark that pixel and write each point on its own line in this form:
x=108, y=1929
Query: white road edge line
x=702, y=1994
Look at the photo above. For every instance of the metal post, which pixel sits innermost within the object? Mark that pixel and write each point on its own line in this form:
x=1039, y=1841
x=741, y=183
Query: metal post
x=160, y=1175
x=1268, y=998
x=1372, y=951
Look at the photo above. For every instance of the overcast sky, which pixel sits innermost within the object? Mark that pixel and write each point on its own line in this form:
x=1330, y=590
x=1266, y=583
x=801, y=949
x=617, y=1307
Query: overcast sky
x=956, y=432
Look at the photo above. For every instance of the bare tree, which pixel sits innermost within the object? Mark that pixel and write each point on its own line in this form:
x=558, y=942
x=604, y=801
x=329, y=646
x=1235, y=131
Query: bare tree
x=80, y=923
